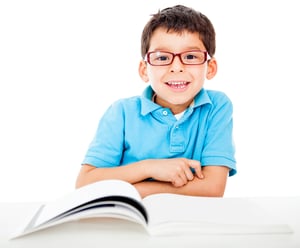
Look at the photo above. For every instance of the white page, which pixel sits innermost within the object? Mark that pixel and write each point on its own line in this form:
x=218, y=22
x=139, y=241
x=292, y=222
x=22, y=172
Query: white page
x=121, y=212
x=85, y=194
x=175, y=214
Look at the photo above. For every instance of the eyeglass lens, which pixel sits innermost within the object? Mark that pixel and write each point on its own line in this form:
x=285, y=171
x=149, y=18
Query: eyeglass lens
x=166, y=58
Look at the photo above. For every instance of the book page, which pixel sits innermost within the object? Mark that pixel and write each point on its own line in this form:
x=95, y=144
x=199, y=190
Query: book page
x=85, y=194
x=120, y=211
x=178, y=214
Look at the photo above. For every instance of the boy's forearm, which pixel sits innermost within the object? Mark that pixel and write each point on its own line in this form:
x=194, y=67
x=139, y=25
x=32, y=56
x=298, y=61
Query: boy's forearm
x=131, y=173
x=192, y=188
x=211, y=185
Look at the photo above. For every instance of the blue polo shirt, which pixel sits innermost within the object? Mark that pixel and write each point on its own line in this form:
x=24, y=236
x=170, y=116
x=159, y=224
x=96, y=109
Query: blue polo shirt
x=136, y=128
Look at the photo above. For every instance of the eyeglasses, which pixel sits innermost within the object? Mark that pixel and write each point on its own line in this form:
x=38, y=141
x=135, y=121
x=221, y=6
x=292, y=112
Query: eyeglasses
x=161, y=58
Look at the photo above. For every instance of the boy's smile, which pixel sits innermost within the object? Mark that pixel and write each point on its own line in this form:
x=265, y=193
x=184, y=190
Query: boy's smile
x=178, y=85
x=175, y=84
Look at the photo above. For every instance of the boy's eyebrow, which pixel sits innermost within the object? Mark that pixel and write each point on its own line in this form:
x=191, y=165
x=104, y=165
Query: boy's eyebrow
x=167, y=49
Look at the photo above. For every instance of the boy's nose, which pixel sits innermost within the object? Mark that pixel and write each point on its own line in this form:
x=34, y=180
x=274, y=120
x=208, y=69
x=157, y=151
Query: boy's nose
x=177, y=65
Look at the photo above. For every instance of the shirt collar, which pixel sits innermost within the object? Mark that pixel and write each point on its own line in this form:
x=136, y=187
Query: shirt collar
x=201, y=98
x=148, y=106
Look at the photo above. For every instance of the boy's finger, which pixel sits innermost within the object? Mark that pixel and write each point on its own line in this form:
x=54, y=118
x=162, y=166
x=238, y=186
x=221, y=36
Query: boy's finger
x=189, y=175
x=197, y=167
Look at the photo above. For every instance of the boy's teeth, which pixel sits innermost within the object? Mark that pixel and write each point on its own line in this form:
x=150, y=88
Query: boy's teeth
x=176, y=83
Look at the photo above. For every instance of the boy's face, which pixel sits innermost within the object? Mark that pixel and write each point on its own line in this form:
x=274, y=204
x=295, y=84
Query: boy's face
x=176, y=84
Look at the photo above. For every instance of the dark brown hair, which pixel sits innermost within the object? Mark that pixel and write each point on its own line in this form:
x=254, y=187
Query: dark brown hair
x=180, y=18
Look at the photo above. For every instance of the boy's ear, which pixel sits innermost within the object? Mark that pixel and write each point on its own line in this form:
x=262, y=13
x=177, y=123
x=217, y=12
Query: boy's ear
x=143, y=71
x=212, y=68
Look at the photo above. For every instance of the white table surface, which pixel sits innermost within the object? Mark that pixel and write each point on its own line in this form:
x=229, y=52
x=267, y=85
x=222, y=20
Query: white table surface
x=121, y=233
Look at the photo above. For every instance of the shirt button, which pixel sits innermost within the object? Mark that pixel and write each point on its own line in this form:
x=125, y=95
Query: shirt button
x=165, y=112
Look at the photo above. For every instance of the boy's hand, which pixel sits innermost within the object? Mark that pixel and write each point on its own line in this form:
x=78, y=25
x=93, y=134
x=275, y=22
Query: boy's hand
x=175, y=170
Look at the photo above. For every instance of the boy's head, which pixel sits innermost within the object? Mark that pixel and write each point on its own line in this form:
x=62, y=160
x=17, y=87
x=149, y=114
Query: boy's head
x=178, y=19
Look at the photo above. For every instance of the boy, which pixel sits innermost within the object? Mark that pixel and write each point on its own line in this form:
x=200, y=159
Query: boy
x=177, y=136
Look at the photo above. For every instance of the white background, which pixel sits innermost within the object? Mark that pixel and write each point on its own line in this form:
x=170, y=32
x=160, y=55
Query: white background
x=63, y=62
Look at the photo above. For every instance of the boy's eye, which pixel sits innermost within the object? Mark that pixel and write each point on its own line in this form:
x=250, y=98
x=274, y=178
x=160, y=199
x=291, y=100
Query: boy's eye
x=190, y=56
x=163, y=58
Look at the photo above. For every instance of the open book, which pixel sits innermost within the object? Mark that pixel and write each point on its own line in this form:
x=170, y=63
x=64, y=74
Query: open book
x=158, y=214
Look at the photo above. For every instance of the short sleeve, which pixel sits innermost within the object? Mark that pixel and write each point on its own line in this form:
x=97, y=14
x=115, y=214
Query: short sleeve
x=219, y=147
x=106, y=148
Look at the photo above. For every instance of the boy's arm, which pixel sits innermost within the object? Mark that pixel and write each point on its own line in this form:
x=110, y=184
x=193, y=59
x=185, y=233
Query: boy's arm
x=212, y=185
x=176, y=171
x=89, y=174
